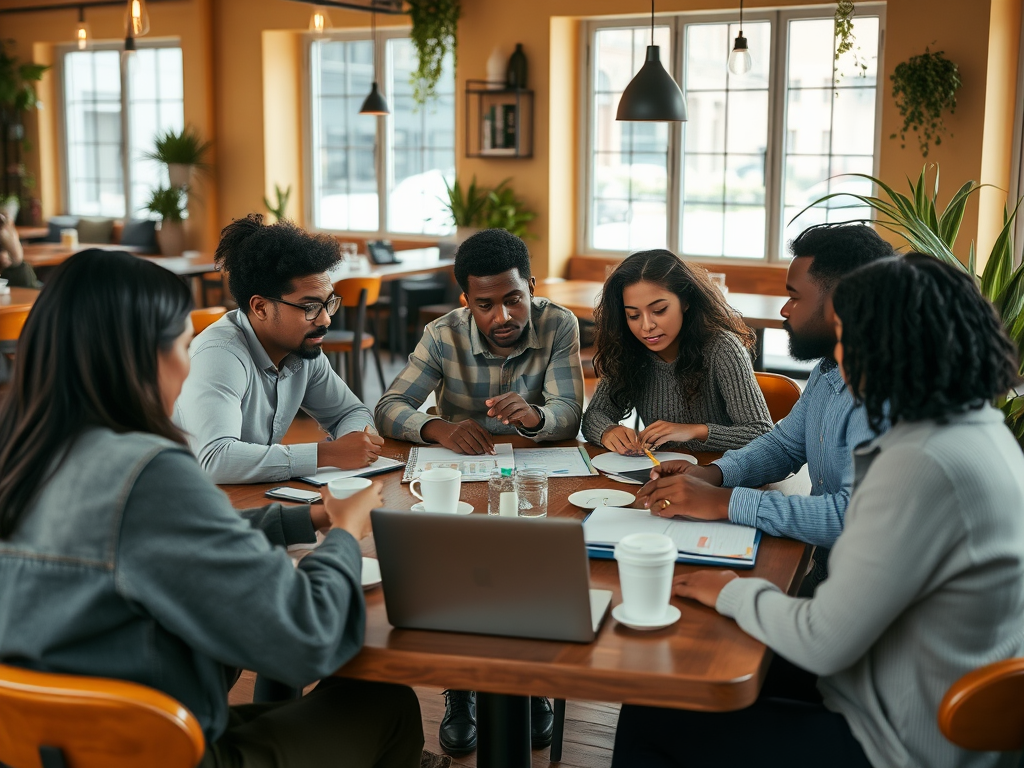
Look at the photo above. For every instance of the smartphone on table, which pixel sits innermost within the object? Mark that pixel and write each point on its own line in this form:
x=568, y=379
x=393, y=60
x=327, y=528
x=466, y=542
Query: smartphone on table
x=294, y=494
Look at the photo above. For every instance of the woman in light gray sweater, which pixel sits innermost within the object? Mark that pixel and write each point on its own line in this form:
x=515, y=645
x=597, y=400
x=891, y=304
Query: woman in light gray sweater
x=670, y=346
x=926, y=582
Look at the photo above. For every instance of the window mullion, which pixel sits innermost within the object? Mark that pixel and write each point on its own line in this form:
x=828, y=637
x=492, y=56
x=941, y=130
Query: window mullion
x=673, y=205
x=381, y=149
x=776, y=138
x=126, y=143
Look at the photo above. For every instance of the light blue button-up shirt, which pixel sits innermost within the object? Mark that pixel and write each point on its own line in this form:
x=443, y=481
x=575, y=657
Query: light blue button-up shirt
x=821, y=431
x=236, y=405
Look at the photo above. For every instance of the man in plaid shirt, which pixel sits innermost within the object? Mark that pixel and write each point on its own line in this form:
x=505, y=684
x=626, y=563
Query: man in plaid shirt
x=508, y=363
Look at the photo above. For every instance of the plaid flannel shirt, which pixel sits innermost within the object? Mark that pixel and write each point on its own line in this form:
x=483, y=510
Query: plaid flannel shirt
x=454, y=361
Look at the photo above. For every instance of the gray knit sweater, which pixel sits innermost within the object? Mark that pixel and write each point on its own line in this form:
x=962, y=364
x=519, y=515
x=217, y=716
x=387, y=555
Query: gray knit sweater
x=729, y=400
x=926, y=583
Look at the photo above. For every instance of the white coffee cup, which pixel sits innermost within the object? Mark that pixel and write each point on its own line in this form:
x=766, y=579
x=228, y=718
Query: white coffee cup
x=646, y=564
x=440, y=489
x=344, y=487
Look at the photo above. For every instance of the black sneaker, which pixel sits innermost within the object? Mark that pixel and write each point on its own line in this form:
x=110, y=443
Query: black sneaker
x=457, y=733
x=542, y=722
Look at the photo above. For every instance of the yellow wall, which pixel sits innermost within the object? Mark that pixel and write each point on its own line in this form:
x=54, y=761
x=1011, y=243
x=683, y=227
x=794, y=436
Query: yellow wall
x=241, y=90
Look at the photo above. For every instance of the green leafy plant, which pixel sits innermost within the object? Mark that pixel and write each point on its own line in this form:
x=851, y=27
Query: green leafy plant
x=434, y=33
x=466, y=208
x=282, y=201
x=846, y=41
x=488, y=208
x=168, y=203
x=17, y=82
x=185, y=147
x=923, y=87
x=917, y=219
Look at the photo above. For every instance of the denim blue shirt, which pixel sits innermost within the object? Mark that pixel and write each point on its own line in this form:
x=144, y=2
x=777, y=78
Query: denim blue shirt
x=821, y=431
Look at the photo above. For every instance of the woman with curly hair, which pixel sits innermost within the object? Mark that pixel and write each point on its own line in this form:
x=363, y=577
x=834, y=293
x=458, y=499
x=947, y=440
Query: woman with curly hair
x=669, y=346
x=926, y=581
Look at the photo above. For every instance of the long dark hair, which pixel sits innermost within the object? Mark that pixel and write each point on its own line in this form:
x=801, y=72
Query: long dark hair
x=86, y=357
x=919, y=336
x=623, y=360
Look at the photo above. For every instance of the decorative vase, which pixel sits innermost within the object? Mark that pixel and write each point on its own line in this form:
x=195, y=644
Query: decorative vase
x=170, y=236
x=516, y=76
x=179, y=174
x=496, y=69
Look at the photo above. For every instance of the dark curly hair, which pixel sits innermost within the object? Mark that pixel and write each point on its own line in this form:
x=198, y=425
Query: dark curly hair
x=838, y=249
x=920, y=341
x=623, y=360
x=263, y=259
x=490, y=252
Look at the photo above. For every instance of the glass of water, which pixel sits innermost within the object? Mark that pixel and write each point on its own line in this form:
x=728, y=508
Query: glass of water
x=532, y=488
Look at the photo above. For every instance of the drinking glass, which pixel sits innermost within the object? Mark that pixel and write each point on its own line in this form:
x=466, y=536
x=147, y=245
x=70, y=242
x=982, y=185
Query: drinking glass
x=501, y=481
x=532, y=487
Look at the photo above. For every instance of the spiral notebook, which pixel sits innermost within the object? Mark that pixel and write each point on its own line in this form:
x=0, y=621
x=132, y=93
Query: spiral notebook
x=474, y=469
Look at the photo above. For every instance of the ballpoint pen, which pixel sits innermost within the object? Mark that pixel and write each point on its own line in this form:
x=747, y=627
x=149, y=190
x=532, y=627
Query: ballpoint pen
x=651, y=457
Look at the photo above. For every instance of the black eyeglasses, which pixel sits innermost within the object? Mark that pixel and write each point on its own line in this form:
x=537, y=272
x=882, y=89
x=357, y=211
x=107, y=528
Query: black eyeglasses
x=314, y=308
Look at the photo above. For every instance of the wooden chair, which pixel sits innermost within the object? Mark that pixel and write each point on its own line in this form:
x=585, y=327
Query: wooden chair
x=12, y=320
x=56, y=720
x=780, y=393
x=984, y=709
x=204, y=318
x=356, y=293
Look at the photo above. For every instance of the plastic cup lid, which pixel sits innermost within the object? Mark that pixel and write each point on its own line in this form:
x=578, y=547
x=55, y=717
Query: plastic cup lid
x=645, y=547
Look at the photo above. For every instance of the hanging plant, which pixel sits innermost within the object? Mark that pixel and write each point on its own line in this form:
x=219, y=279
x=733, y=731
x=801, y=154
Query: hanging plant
x=845, y=40
x=923, y=87
x=434, y=29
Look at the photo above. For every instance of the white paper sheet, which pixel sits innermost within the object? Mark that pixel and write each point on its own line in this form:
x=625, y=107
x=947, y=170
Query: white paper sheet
x=473, y=468
x=608, y=525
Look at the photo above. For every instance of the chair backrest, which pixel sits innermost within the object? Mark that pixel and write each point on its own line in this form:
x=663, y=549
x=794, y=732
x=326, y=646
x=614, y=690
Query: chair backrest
x=984, y=709
x=204, y=318
x=349, y=289
x=780, y=393
x=12, y=320
x=93, y=722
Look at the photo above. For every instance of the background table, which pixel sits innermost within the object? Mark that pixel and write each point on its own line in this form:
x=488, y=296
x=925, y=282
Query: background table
x=19, y=297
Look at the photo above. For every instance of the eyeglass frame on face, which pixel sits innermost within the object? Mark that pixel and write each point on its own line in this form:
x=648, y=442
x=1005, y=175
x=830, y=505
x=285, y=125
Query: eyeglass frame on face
x=319, y=306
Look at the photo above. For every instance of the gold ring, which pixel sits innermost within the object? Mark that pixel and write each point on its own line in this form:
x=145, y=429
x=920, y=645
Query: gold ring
x=665, y=503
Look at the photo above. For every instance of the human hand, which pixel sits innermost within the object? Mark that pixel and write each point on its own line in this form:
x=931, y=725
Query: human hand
x=511, y=407
x=466, y=437
x=675, y=495
x=660, y=432
x=353, y=514
x=703, y=586
x=710, y=474
x=352, y=451
x=622, y=440
x=10, y=245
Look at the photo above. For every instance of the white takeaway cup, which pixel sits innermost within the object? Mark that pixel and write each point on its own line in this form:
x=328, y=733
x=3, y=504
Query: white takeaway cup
x=344, y=487
x=646, y=564
x=439, y=489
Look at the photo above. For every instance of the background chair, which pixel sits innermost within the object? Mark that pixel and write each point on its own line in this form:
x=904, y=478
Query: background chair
x=204, y=318
x=88, y=722
x=984, y=709
x=356, y=293
x=780, y=393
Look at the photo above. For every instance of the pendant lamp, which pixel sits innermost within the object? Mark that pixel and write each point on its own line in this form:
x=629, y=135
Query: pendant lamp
x=739, y=60
x=319, y=21
x=375, y=103
x=652, y=95
x=82, y=32
x=136, y=19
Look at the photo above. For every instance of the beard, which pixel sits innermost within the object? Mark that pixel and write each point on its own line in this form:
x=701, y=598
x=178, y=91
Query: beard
x=810, y=346
x=505, y=343
x=309, y=351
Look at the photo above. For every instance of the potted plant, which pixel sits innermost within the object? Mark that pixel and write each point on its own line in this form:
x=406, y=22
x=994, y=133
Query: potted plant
x=480, y=208
x=168, y=203
x=923, y=87
x=916, y=219
x=465, y=207
x=282, y=202
x=181, y=151
x=434, y=29
x=17, y=96
x=503, y=209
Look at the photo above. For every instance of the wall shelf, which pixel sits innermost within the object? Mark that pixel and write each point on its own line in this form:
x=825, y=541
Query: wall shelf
x=499, y=120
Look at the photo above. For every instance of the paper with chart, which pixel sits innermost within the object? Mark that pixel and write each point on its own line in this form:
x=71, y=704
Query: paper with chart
x=473, y=468
x=558, y=462
x=607, y=525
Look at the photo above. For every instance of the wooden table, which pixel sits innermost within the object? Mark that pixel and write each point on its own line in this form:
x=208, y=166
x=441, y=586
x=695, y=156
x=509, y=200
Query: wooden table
x=19, y=297
x=759, y=311
x=55, y=254
x=26, y=234
x=703, y=662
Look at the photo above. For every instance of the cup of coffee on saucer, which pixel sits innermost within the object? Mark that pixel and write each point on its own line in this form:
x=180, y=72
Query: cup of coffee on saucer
x=438, y=491
x=646, y=564
x=344, y=487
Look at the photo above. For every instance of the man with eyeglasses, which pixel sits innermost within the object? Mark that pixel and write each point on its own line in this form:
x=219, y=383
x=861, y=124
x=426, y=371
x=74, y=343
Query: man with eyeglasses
x=258, y=365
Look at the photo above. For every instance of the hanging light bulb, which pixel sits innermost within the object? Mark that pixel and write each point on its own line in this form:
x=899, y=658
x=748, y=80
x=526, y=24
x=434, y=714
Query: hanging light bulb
x=739, y=60
x=82, y=32
x=375, y=103
x=652, y=95
x=136, y=19
x=319, y=20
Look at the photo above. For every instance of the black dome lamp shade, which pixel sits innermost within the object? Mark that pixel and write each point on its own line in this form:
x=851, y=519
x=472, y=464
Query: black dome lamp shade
x=375, y=103
x=652, y=95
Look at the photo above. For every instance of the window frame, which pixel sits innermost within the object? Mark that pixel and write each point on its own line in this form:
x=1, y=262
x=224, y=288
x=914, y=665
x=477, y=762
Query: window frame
x=774, y=173
x=61, y=115
x=383, y=147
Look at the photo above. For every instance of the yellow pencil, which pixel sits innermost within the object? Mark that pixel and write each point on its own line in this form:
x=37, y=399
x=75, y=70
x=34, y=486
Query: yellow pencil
x=651, y=457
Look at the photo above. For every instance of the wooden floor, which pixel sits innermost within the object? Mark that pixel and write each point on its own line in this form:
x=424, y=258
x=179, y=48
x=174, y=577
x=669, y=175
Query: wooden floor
x=589, y=728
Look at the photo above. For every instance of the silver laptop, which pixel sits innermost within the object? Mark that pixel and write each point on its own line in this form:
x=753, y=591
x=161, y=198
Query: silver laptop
x=488, y=575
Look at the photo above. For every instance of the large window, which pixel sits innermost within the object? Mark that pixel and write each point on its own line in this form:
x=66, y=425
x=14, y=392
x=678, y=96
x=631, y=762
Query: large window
x=112, y=114
x=756, y=149
x=383, y=175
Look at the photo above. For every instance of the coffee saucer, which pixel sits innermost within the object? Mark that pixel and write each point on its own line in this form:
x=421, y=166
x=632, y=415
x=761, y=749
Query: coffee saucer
x=464, y=508
x=671, y=616
x=371, y=572
x=601, y=497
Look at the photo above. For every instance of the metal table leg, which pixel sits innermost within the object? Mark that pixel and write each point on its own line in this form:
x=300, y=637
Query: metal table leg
x=502, y=731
